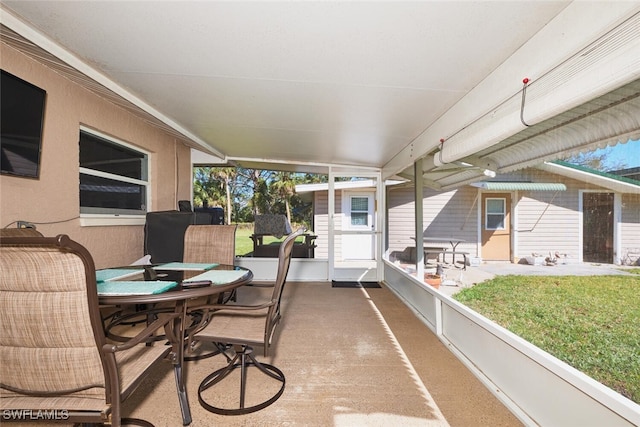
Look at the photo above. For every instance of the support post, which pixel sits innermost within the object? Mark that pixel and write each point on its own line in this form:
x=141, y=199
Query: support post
x=419, y=226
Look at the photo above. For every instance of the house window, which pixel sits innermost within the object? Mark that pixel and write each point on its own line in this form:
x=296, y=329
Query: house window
x=113, y=177
x=359, y=211
x=495, y=213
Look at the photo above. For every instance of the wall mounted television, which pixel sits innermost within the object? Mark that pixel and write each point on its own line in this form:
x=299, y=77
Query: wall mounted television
x=21, y=119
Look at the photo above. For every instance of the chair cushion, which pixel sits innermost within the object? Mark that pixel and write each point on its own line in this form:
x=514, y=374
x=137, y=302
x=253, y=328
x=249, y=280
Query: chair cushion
x=236, y=327
x=50, y=354
x=46, y=287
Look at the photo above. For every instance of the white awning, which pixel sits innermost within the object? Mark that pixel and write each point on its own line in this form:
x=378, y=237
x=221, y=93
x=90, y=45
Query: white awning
x=521, y=186
x=605, y=65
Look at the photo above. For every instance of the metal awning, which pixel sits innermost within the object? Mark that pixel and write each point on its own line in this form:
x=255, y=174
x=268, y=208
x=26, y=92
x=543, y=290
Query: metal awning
x=524, y=186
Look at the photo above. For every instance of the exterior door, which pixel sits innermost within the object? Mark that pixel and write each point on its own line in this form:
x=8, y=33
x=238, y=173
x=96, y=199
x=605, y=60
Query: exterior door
x=359, y=241
x=354, y=232
x=496, y=226
x=597, y=227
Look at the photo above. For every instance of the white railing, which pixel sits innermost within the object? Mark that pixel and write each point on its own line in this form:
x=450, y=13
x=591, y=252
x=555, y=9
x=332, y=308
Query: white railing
x=537, y=387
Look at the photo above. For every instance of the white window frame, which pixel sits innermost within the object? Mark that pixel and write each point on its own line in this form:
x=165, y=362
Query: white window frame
x=116, y=219
x=367, y=211
x=503, y=213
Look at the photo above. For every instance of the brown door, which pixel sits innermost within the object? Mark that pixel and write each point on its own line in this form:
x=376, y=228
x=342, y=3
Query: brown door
x=496, y=226
x=597, y=227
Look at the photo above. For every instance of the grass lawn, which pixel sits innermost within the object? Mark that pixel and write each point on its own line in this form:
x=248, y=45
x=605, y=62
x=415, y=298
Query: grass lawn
x=244, y=244
x=590, y=322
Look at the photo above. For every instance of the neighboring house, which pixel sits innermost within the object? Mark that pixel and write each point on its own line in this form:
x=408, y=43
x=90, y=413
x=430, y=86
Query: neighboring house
x=354, y=213
x=632, y=173
x=581, y=214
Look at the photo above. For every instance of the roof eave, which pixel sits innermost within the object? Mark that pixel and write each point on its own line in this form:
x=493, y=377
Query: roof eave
x=614, y=184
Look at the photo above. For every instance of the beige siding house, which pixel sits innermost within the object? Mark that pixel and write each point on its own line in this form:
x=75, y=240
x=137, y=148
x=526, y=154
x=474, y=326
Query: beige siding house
x=321, y=223
x=571, y=213
x=558, y=210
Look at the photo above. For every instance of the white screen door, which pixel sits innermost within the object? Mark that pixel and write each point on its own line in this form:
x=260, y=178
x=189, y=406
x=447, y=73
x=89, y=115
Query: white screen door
x=354, y=236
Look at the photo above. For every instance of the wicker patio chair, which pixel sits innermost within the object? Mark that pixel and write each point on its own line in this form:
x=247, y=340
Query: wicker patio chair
x=243, y=325
x=209, y=244
x=55, y=359
x=19, y=232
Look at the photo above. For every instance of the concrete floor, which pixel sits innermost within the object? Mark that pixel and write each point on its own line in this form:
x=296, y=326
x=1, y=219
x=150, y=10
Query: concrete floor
x=352, y=357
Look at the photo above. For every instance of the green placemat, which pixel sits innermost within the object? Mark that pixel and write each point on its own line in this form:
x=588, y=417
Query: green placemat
x=116, y=273
x=184, y=266
x=122, y=287
x=218, y=277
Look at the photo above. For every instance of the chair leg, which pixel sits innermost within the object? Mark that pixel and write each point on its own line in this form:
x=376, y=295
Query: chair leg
x=193, y=345
x=220, y=349
x=182, y=394
x=224, y=298
x=243, y=360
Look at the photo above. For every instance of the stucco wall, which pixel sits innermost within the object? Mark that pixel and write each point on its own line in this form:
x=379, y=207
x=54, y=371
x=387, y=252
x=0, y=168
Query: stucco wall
x=52, y=202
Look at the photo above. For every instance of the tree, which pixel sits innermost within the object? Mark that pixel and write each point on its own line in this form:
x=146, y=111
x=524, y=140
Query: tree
x=251, y=187
x=283, y=187
x=213, y=186
x=245, y=193
x=227, y=176
x=206, y=187
x=597, y=160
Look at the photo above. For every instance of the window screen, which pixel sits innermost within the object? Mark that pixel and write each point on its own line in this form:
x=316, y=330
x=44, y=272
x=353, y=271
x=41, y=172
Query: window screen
x=113, y=177
x=360, y=211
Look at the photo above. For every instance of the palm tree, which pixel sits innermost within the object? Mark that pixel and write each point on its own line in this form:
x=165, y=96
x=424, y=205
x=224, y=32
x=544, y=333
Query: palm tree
x=283, y=187
x=227, y=176
x=206, y=187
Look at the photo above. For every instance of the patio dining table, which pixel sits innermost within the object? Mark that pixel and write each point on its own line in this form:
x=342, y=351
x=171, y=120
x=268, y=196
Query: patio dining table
x=453, y=241
x=147, y=286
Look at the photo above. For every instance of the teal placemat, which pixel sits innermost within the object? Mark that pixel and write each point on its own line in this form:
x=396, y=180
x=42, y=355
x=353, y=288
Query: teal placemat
x=122, y=287
x=184, y=266
x=116, y=273
x=218, y=277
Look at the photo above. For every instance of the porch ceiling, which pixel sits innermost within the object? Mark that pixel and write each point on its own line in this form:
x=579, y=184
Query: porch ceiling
x=305, y=85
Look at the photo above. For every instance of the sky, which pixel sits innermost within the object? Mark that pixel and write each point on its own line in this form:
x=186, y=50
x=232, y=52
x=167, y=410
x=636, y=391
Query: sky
x=625, y=154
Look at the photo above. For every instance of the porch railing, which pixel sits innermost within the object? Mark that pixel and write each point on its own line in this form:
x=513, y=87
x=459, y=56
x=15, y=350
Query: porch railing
x=537, y=387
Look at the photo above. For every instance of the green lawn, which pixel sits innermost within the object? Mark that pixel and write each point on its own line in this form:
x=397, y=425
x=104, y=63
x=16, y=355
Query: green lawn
x=591, y=323
x=244, y=244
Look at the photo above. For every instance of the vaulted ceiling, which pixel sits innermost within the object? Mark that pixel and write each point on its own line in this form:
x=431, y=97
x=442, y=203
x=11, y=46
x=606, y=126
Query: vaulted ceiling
x=303, y=85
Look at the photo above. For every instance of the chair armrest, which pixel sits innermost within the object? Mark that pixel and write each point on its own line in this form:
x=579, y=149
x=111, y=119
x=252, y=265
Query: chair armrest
x=143, y=335
x=211, y=309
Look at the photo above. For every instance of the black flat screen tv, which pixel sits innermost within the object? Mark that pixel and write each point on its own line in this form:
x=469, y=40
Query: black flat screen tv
x=21, y=118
